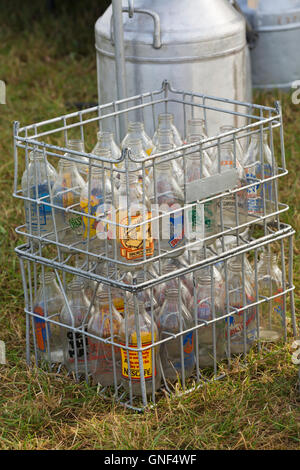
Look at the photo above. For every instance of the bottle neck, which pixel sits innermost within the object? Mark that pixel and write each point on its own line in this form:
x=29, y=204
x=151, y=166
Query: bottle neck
x=36, y=155
x=76, y=285
x=105, y=137
x=136, y=127
x=66, y=164
x=165, y=120
x=196, y=127
x=172, y=295
x=136, y=148
x=256, y=138
x=165, y=137
x=48, y=278
x=76, y=145
x=267, y=260
x=164, y=165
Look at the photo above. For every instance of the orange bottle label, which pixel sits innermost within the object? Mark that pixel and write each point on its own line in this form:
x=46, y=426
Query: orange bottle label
x=132, y=239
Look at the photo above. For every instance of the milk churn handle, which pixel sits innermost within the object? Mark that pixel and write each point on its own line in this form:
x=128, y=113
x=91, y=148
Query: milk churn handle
x=156, y=19
x=130, y=8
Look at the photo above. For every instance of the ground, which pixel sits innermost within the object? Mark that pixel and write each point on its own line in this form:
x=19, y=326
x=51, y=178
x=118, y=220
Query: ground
x=47, y=60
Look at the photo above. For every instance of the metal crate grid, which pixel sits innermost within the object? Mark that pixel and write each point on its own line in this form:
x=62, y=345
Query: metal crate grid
x=144, y=393
x=263, y=121
x=47, y=250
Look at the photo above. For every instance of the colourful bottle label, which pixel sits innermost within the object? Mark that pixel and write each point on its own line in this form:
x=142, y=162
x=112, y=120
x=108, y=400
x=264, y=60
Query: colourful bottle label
x=75, y=343
x=204, y=311
x=40, y=329
x=146, y=340
x=236, y=324
x=188, y=351
x=40, y=214
x=89, y=224
x=176, y=229
x=279, y=306
x=133, y=240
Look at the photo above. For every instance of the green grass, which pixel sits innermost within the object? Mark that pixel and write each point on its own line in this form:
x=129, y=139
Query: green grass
x=48, y=61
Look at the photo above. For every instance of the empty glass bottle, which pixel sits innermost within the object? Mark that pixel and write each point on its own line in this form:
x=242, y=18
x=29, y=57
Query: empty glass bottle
x=228, y=203
x=176, y=354
x=218, y=276
x=210, y=305
x=138, y=154
x=166, y=121
x=196, y=131
x=37, y=182
x=106, y=139
x=131, y=368
x=168, y=266
x=168, y=198
x=258, y=164
x=75, y=345
x=108, y=270
x=66, y=194
x=133, y=208
x=95, y=195
x=136, y=130
x=104, y=359
x=202, y=217
x=144, y=295
x=165, y=141
x=78, y=146
x=271, y=313
x=242, y=325
x=48, y=303
x=240, y=154
x=230, y=242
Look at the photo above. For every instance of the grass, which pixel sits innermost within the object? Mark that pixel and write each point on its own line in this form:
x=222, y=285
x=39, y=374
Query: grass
x=48, y=61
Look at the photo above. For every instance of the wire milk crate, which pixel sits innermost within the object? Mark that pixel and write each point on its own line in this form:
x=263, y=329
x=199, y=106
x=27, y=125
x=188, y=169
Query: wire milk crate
x=136, y=282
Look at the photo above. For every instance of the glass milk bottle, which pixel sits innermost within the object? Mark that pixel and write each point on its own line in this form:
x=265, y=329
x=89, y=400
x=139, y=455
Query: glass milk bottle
x=210, y=305
x=130, y=331
x=258, y=159
x=136, y=130
x=144, y=295
x=242, y=325
x=165, y=140
x=105, y=139
x=137, y=153
x=104, y=359
x=78, y=146
x=240, y=154
x=271, y=313
x=174, y=319
x=75, y=346
x=196, y=131
x=168, y=266
x=132, y=207
x=95, y=200
x=108, y=270
x=202, y=217
x=168, y=198
x=66, y=194
x=227, y=162
x=37, y=182
x=166, y=121
x=48, y=303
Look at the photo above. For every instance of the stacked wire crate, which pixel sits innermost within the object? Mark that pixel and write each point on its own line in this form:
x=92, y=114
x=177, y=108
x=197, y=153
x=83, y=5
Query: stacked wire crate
x=140, y=364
